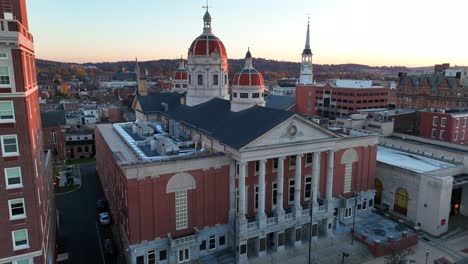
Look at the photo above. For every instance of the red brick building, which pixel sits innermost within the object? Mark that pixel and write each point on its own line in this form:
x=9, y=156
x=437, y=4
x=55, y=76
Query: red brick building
x=27, y=206
x=425, y=92
x=53, y=132
x=449, y=126
x=340, y=98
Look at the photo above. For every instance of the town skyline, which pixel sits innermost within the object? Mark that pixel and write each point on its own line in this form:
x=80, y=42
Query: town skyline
x=153, y=31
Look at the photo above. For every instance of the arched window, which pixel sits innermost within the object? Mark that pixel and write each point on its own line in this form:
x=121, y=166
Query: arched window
x=401, y=201
x=378, y=191
x=179, y=184
x=349, y=157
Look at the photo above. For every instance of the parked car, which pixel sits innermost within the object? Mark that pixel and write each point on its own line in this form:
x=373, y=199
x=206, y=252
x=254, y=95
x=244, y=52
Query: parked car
x=102, y=205
x=109, y=247
x=104, y=218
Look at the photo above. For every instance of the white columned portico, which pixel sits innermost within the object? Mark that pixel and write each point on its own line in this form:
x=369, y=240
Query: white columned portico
x=297, y=184
x=330, y=167
x=232, y=190
x=261, y=216
x=242, y=201
x=315, y=176
x=279, y=189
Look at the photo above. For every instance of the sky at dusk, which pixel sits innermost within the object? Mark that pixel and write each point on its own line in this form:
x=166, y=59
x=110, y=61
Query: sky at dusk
x=374, y=32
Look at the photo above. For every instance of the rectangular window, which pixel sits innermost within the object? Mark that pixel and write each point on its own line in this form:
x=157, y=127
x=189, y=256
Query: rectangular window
x=4, y=76
x=347, y=213
x=463, y=135
x=291, y=191
x=235, y=95
x=152, y=257
x=255, y=95
x=274, y=195
x=184, y=255
x=371, y=202
x=443, y=121
x=200, y=79
x=435, y=120
x=244, y=95
x=455, y=136
x=53, y=134
x=347, y=177
x=16, y=207
x=3, y=55
x=10, y=145
x=464, y=122
x=7, y=111
x=212, y=242
x=275, y=164
x=162, y=255
x=434, y=133
x=13, y=178
x=215, y=79
x=79, y=149
x=203, y=245
x=257, y=167
x=307, y=188
x=140, y=260
x=292, y=162
x=22, y=261
x=442, y=134
x=308, y=159
x=181, y=209
x=222, y=240
x=364, y=204
x=20, y=239
x=457, y=121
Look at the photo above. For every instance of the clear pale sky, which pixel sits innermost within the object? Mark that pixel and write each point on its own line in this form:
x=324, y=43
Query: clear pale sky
x=374, y=32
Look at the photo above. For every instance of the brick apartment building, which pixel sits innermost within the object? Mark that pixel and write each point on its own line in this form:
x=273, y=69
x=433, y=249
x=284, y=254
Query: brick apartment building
x=27, y=205
x=340, y=97
x=448, y=125
x=54, y=130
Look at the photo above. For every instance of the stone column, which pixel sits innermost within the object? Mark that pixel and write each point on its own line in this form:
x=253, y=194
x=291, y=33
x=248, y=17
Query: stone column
x=232, y=190
x=242, y=201
x=261, y=216
x=280, y=188
x=315, y=176
x=330, y=166
x=297, y=184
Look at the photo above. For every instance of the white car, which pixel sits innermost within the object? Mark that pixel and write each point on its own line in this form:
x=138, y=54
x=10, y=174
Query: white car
x=104, y=218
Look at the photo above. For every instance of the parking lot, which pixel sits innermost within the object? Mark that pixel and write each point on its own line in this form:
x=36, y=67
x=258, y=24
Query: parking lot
x=80, y=234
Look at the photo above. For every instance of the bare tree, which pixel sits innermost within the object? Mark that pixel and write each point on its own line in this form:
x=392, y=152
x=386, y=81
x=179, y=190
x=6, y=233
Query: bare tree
x=399, y=257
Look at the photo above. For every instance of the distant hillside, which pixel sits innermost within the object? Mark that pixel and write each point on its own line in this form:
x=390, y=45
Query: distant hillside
x=269, y=68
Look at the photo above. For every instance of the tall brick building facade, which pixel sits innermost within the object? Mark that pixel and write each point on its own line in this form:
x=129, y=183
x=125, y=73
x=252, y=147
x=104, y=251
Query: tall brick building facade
x=27, y=208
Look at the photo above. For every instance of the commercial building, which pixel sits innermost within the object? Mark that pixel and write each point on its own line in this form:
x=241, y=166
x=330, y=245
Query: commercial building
x=200, y=174
x=445, y=125
x=27, y=205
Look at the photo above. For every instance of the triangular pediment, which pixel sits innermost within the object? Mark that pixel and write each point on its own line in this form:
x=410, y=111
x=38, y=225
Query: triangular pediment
x=292, y=131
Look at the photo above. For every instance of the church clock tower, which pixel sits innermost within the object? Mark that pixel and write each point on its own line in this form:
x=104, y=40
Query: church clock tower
x=306, y=65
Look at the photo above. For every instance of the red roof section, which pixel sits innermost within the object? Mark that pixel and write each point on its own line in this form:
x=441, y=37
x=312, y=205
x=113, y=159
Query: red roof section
x=199, y=46
x=248, y=79
x=181, y=75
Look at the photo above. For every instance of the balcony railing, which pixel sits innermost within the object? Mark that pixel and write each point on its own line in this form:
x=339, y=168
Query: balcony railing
x=184, y=240
x=15, y=26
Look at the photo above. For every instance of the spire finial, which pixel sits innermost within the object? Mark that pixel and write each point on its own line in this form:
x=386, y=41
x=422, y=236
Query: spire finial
x=206, y=20
x=307, y=44
x=206, y=6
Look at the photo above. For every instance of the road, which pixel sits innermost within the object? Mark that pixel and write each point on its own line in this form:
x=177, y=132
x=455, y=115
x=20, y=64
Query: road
x=79, y=231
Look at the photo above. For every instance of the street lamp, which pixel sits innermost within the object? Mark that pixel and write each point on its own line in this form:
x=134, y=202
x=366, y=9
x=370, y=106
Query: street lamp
x=343, y=255
x=427, y=254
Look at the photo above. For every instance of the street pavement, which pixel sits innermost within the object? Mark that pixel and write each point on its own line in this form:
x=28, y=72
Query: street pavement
x=80, y=234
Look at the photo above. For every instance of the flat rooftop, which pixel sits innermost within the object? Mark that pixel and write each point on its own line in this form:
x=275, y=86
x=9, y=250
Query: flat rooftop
x=430, y=145
x=410, y=161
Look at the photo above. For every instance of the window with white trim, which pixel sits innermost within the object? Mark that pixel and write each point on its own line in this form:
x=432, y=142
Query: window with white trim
x=7, y=111
x=274, y=195
x=3, y=55
x=364, y=204
x=347, y=213
x=463, y=135
x=347, y=177
x=457, y=121
x=307, y=188
x=151, y=256
x=292, y=162
x=13, y=178
x=442, y=134
x=256, y=198
x=275, y=164
x=212, y=242
x=455, y=136
x=434, y=133
x=16, y=207
x=53, y=134
x=308, y=159
x=291, y=191
x=443, y=121
x=4, y=76
x=435, y=120
x=10, y=145
x=20, y=239
x=184, y=255
x=22, y=261
x=464, y=122
x=181, y=209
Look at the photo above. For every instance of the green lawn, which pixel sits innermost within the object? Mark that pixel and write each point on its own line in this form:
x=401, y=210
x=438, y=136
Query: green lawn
x=66, y=189
x=80, y=161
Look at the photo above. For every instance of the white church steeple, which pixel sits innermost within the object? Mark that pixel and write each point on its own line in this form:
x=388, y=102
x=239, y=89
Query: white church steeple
x=306, y=64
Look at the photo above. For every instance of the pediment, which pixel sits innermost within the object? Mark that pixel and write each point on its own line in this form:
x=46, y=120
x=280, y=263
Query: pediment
x=292, y=131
